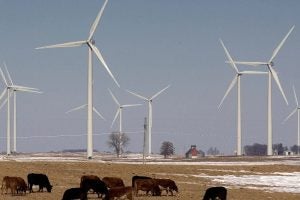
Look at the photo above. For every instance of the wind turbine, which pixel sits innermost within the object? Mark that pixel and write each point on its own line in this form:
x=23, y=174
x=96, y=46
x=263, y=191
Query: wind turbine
x=149, y=100
x=119, y=113
x=271, y=74
x=12, y=89
x=119, y=110
x=90, y=42
x=82, y=107
x=237, y=79
x=297, y=109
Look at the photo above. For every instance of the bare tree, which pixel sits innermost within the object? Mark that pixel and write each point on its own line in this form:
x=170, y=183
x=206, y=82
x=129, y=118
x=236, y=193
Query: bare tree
x=117, y=141
x=167, y=149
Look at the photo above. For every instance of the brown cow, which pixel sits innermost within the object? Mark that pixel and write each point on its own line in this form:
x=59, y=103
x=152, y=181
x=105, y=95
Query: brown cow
x=15, y=184
x=168, y=185
x=112, y=182
x=147, y=185
x=118, y=192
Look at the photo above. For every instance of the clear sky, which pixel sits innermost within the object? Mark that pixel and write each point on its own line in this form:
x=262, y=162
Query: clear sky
x=149, y=44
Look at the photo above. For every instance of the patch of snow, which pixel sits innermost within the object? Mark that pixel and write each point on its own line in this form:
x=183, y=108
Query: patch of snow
x=279, y=182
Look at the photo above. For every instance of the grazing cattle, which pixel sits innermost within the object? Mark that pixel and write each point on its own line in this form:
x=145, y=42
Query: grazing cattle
x=96, y=185
x=75, y=193
x=112, y=182
x=147, y=185
x=168, y=185
x=138, y=177
x=22, y=186
x=38, y=179
x=89, y=177
x=15, y=184
x=118, y=192
x=215, y=192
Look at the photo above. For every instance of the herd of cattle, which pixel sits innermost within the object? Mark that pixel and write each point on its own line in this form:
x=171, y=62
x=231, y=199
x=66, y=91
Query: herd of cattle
x=109, y=188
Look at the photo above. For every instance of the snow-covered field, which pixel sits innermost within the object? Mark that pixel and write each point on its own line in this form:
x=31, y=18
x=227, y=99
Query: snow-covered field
x=279, y=182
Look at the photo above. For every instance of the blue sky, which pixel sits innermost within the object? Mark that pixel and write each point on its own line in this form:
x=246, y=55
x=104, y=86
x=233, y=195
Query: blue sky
x=148, y=45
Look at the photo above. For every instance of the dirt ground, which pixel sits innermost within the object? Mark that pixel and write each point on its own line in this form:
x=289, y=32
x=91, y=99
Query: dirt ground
x=64, y=175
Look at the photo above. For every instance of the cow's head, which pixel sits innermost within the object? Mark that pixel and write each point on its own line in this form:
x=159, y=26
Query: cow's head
x=175, y=188
x=49, y=188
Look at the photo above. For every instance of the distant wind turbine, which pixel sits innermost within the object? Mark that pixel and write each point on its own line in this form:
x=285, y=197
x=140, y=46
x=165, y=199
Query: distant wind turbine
x=149, y=100
x=11, y=89
x=119, y=113
x=271, y=74
x=84, y=106
x=119, y=110
x=90, y=42
x=237, y=79
x=297, y=109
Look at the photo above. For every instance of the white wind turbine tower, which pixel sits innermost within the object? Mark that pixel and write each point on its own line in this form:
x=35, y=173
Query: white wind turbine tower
x=237, y=79
x=271, y=73
x=297, y=109
x=91, y=49
x=119, y=113
x=11, y=89
x=149, y=100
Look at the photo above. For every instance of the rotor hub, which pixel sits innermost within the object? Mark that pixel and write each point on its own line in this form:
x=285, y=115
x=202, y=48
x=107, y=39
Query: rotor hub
x=92, y=41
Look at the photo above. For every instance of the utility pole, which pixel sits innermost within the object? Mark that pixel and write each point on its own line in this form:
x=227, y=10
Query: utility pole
x=145, y=138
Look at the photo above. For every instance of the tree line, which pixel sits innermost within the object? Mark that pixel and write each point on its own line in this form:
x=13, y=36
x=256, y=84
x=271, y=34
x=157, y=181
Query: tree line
x=261, y=149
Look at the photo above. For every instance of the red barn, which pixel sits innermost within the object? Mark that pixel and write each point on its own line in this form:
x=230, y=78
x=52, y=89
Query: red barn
x=193, y=152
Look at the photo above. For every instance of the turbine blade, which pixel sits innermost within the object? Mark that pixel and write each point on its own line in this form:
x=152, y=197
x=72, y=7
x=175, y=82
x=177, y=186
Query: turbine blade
x=291, y=114
x=64, y=45
x=229, y=57
x=276, y=50
x=8, y=74
x=116, y=115
x=137, y=95
x=130, y=105
x=2, y=94
x=98, y=113
x=26, y=90
x=3, y=77
x=253, y=72
x=295, y=95
x=255, y=64
x=96, y=22
x=275, y=76
x=233, y=82
x=76, y=108
x=114, y=98
x=3, y=103
x=158, y=93
x=23, y=87
x=99, y=56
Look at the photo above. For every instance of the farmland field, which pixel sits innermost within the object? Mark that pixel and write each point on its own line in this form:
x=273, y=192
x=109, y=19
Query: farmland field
x=192, y=178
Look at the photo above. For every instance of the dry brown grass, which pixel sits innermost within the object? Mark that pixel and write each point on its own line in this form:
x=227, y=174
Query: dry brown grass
x=64, y=175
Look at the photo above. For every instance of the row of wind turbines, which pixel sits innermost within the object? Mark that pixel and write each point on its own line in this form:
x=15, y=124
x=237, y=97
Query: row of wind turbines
x=272, y=74
x=11, y=90
x=92, y=49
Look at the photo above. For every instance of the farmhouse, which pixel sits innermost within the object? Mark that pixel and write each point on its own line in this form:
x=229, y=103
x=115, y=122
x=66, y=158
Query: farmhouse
x=194, y=153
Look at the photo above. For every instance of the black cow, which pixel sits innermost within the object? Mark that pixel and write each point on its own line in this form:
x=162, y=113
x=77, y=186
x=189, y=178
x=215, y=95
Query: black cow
x=38, y=179
x=214, y=192
x=75, y=193
x=96, y=185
